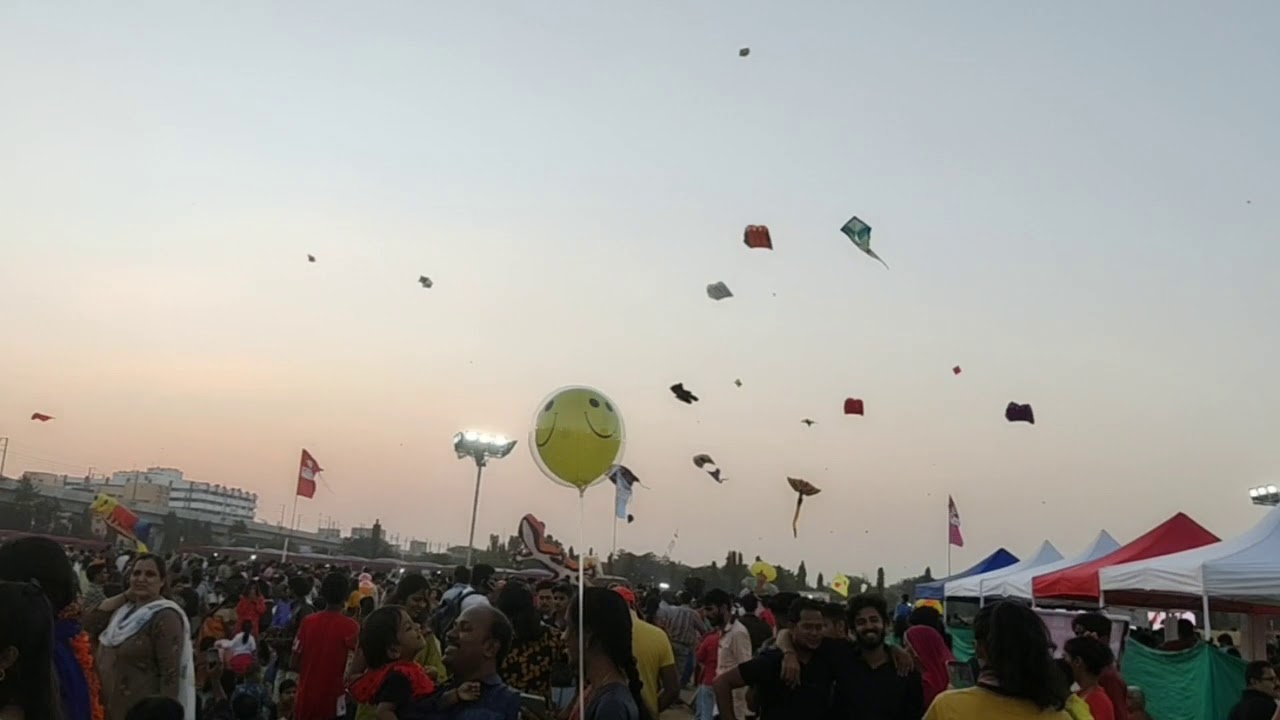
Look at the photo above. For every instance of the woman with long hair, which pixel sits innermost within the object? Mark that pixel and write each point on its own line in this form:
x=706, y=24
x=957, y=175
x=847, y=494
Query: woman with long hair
x=144, y=645
x=44, y=562
x=28, y=686
x=931, y=655
x=535, y=647
x=1018, y=680
x=613, y=683
x=413, y=593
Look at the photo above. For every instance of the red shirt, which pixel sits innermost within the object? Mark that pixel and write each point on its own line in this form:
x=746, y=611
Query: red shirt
x=324, y=641
x=250, y=611
x=1099, y=704
x=1117, y=692
x=707, y=655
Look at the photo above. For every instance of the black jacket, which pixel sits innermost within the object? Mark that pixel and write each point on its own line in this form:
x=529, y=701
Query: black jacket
x=1254, y=705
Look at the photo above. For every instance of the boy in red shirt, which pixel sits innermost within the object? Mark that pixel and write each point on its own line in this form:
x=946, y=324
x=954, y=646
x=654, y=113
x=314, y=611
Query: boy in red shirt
x=324, y=644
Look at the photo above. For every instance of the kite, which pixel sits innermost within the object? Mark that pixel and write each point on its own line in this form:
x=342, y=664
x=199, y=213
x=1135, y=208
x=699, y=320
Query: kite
x=744, y=52
x=121, y=519
x=425, y=281
x=853, y=406
x=719, y=291
x=738, y=382
x=956, y=370
x=41, y=417
x=683, y=395
x=808, y=422
x=840, y=585
x=311, y=258
x=804, y=489
x=757, y=237
x=702, y=461
x=1019, y=413
x=860, y=233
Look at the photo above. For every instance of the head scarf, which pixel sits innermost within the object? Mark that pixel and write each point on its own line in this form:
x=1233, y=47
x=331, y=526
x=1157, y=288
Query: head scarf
x=934, y=656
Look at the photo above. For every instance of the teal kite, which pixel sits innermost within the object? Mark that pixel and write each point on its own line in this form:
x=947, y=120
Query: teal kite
x=860, y=233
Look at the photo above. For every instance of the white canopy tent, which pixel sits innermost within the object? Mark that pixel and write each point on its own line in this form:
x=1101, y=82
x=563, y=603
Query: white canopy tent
x=977, y=586
x=1018, y=584
x=1237, y=575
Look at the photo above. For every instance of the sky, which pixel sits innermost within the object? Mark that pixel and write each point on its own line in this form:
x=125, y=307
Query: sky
x=1077, y=204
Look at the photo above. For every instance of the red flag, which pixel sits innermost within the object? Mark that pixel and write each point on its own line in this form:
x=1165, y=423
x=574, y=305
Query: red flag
x=953, y=520
x=41, y=417
x=853, y=406
x=307, y=475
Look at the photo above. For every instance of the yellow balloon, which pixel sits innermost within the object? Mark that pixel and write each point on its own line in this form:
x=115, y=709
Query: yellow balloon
x=577, y=436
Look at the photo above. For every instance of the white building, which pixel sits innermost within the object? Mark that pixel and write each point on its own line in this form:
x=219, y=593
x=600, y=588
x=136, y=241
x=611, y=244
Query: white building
x=218, y=501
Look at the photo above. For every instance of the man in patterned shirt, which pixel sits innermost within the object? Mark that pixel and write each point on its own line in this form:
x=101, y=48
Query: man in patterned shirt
x=685, y=627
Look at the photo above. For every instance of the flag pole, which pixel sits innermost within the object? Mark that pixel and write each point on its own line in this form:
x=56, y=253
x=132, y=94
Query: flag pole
x=284, y=556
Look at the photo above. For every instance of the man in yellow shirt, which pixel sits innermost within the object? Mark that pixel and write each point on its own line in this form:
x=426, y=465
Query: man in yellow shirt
x=654, y=659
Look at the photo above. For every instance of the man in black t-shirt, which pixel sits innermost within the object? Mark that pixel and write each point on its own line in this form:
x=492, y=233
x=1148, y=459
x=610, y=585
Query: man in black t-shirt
x=872, y=680
x=775, y=699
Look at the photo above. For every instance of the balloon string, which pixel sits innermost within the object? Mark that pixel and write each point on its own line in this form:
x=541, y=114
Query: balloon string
x=582, y=651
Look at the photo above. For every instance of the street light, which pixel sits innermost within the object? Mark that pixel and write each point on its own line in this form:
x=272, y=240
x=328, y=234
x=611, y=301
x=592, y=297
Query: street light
x=479, y=447
x=1266, y=495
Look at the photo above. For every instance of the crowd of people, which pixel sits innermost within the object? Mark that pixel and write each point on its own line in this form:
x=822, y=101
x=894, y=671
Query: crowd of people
x=136, y=636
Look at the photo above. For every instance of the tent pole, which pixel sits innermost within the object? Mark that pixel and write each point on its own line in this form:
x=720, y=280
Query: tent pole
x=1208, y=629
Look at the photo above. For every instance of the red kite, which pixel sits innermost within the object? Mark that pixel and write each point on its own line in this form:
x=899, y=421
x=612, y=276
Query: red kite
x=853, y=406
x=956, y=370
x=757, y=237
x=41, y=417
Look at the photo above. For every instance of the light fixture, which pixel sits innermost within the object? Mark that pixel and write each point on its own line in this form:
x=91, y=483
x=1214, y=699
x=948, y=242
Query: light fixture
x=1267, y=495
x=480, y=447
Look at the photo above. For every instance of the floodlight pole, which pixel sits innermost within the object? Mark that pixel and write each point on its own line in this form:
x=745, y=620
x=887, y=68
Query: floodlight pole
x=475, y=505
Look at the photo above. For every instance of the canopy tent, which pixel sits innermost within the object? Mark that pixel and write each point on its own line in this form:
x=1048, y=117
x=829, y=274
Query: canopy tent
x=996, y=560
x=1079, y=583
x=975, y=586
x=1018, y=584
x=1237, y=575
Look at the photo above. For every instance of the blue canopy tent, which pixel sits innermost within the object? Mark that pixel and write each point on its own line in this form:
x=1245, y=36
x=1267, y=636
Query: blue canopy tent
x=934, y=590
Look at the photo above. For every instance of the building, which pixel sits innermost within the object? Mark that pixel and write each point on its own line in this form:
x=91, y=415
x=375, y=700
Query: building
x=330, y=533
x=361, y=532
x=49, y=480
x=166, y=487
x=419, y=547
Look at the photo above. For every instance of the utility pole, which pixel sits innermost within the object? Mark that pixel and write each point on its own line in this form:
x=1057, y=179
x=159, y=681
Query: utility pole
x=4, y=454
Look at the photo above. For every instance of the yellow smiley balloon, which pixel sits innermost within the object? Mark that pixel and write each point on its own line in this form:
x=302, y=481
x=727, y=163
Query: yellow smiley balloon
x=577, y=436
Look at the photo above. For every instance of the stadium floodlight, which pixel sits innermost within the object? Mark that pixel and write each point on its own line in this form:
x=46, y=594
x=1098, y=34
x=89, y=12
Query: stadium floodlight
x=1267, y=495
x=480, y=447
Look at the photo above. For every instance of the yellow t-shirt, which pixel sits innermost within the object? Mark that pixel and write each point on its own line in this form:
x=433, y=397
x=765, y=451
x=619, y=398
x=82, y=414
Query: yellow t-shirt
x=976, y=703
x=652, y=651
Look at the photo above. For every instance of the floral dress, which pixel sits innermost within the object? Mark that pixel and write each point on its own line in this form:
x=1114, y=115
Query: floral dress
x=527, y=667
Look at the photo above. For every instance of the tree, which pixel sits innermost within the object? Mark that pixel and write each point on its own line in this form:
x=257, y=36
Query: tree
x=20, y=515
x=928, y=575
x=802, y=576
x=821, y=584
x=880, y=581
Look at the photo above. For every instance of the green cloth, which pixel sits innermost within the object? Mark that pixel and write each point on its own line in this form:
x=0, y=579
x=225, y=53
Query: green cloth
x=1202, y=683
x=961, y=642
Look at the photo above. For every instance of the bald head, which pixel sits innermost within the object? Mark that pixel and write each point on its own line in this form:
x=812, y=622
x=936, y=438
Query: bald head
x=477, y=642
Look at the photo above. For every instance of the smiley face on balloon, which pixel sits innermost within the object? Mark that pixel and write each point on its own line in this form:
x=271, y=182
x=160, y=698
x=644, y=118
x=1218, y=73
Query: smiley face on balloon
x=577, y=436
